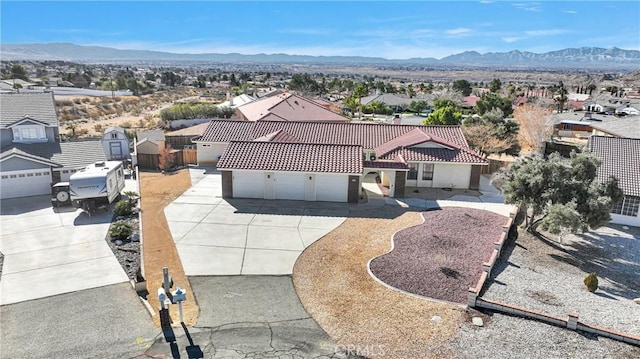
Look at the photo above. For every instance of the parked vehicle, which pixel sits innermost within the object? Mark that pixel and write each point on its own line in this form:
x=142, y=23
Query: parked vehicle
x=60, y=194
x=97, y=185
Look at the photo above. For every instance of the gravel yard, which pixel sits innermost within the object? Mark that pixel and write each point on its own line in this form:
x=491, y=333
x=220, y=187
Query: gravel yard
x=513, y=338
x=547, y=276
x=441, y=258
x=128, y=251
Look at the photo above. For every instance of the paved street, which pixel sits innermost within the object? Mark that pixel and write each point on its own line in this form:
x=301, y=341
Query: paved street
x=248, y=317
x=106, y=322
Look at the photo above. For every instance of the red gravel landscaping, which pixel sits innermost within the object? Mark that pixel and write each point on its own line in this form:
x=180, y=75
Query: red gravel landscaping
x=442, y=257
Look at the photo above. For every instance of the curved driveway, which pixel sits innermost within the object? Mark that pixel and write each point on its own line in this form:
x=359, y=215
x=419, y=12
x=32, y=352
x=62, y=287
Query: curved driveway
x=215, y=236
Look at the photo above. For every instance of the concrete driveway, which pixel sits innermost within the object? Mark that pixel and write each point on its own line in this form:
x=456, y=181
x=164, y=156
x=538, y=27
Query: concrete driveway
x=215, y=236
x=49, y=252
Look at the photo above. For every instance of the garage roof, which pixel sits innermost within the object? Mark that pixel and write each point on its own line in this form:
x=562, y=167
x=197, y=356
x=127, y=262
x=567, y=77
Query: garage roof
x=294, y=157
x=66, y=154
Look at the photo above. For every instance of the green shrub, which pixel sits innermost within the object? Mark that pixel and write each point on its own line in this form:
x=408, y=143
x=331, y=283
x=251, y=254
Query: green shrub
x=591, y=281
x=123, y=208
x=120, y=230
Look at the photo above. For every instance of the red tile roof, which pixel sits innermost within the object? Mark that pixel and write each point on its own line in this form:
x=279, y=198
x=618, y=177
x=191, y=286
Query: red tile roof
x=288, y=107
x=422, y=154
x=295, y=157
x=366, y=135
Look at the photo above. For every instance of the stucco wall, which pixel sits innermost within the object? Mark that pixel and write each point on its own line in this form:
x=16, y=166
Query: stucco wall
x=209, y=153
x=447, y=175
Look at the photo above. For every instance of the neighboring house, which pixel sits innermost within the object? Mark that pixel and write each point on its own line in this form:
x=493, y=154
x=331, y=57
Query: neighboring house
x=470, y=101
x=317, y=161
x=620, y=158
x=577, y=124
x=182, y=138
x=237, y=101
x=287, y=107
x=150, y=142
x=116, y=144
x=627, y=110
x=397, y=103
x=31, y=158
x=623, y=127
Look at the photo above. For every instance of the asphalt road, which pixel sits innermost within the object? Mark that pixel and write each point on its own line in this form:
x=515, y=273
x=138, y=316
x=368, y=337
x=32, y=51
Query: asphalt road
x=105, y=322
x=248, y=317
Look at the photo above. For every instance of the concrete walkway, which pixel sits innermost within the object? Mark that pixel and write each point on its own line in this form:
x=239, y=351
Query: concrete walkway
x=215, y=236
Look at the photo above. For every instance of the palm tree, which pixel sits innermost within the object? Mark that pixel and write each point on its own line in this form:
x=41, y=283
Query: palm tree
x=359, y=92
x=72, y=126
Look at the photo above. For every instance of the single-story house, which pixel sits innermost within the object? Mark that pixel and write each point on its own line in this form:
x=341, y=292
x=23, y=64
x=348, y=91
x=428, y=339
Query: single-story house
x=287, y=107
x=396, y=102
x=628, y=127
x=620, y=158
x=327, y=161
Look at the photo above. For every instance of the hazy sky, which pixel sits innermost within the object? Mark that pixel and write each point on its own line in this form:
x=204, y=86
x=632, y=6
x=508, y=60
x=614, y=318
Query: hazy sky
x=394, y=30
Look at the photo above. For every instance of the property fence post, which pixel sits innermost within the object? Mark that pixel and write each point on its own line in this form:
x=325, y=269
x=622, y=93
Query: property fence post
x=572, y=322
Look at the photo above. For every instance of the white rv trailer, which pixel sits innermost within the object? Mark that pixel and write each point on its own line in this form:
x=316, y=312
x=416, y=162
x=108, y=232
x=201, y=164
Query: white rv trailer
x=98, y=184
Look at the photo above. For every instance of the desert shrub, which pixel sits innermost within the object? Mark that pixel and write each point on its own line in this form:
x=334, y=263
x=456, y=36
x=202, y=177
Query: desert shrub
x=82, y=132
x=120, y=230
x=86, y=100
x=591, y=281
x=126, y=124
x=123, y=208
x=98, y=127
x=77, y=101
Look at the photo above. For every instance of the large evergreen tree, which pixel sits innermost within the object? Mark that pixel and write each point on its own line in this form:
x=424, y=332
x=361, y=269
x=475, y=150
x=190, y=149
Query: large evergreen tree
x=561, y=195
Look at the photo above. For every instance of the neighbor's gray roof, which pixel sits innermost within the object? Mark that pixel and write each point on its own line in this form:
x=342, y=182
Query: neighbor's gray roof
x=67, y=154
x=620, y=158
x=623, y=127
x=38, y=106
x=388, y=99
x=295, y=157
x=151, y=135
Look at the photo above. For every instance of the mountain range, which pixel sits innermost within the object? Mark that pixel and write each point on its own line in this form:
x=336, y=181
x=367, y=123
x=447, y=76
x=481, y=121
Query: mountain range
x=584, y=57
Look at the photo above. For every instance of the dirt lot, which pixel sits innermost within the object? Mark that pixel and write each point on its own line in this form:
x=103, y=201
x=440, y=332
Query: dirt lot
x=157, y=191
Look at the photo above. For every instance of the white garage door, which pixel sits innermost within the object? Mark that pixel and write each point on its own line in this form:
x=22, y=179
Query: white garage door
x=332, y=188
x=15, y=184
x=290, y=186
x=248, y=184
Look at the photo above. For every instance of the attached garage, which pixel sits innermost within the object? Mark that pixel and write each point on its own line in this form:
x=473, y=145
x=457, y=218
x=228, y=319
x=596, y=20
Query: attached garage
x=289, y=186
x=291, y=171
x=25, y=183
x=332, y=188
x=248, y=184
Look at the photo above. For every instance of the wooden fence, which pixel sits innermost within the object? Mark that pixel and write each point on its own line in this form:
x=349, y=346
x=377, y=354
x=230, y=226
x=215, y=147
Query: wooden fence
x=180, y=158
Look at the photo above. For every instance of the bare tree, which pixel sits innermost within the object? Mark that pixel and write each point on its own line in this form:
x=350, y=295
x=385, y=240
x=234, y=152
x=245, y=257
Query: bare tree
x=533, y=126
x=482, y=138
x=166, y=160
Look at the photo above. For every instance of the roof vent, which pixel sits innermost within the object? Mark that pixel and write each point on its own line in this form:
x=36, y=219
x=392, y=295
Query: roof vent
x=100, y=164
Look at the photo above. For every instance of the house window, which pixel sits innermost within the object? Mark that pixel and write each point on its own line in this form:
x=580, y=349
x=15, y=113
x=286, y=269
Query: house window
x=65, y=171
x=21, y=175
x=413, y=171
x=29, y=133
x=29, y=174
x=114, y=136
x=13, y=176
x=5, y=177
x=627, y=207
x=427, y=171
